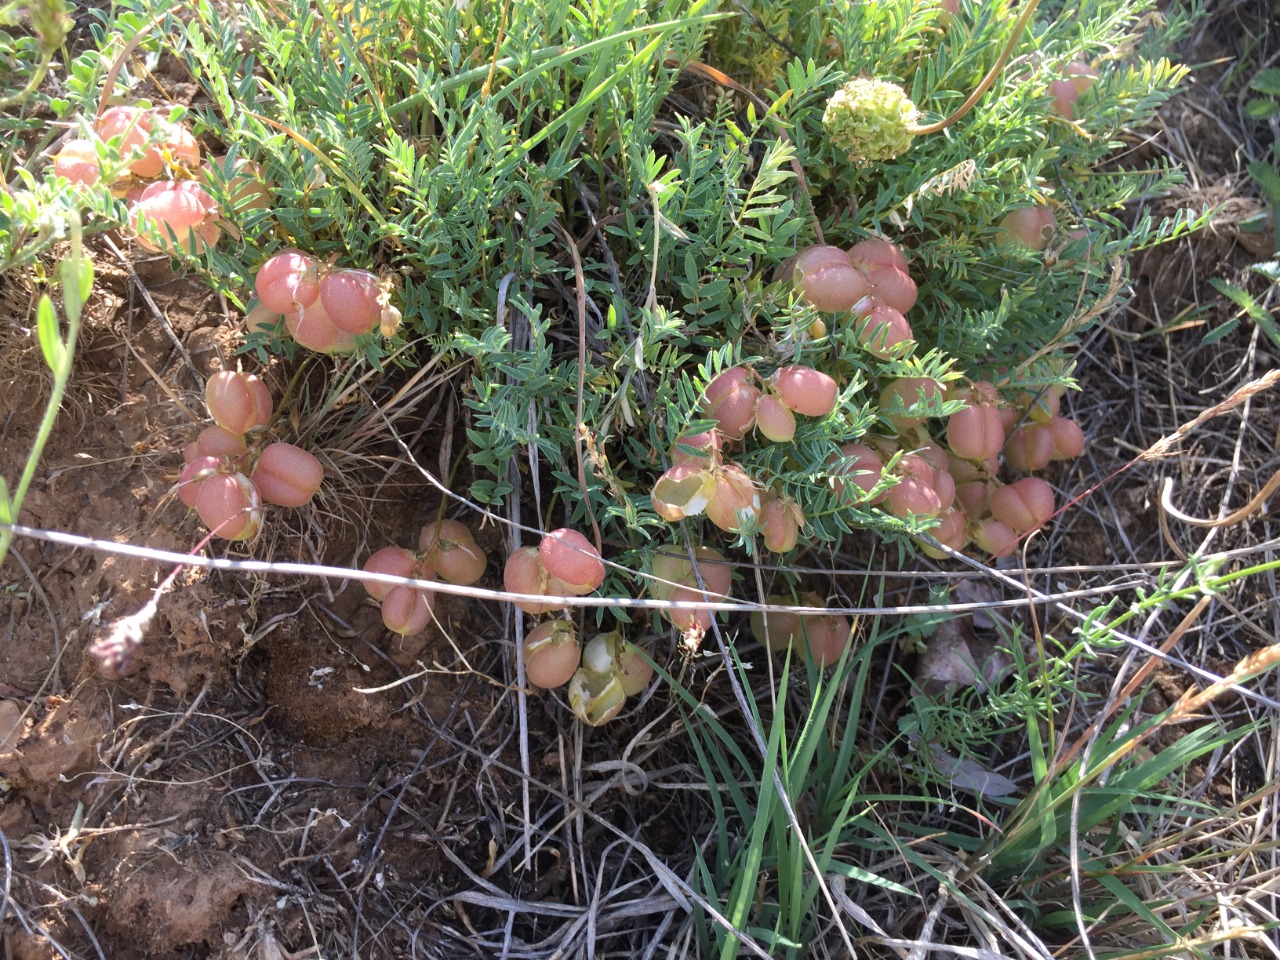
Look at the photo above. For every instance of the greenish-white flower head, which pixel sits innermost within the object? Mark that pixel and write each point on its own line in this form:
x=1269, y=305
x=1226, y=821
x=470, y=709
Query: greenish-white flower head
x=870, y=120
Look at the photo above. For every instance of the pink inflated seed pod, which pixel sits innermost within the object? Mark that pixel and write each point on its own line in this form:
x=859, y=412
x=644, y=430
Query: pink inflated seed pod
x=1064, y=94
x=569, y=556
x=443, y=532
x=862, y=471
x=229, y=505
x=734, y=498
x=350, y=297
x=716, y=573
x=976, y=432
x=182, y=145
x=173, y=216
x=885, y=333
x=825, y=639
x=1082, y=74
x=524, y=573
x=240, y=402
x=731, y=401
x=1030, y=447
x=218, y=441
x=198, y=469
x=950, y=532
x=77, y=161
x=914, y=494
x=1068, y=438
x=877, y=252
x=188, y=188
x=910, y=391
x=806, y=391
x=132, y=125
x=287, y=476
x=683, y=491
x=551, y=654
x=453, y=552
x=288, y=282
x=1044, y=406
x=774, y=420
x=827, y=280
x=971, y=497
x=1031, y=227
x=945, y=485
x=672, y=569
x=242, y=182
x=775, y=631
x=1023, y=505
x=781, y=521
x=314, y=329
x=263, y=321
x=392, y=561
x=668, y=569
x=934, y=456
x=687, y=619
x=996, y=538
x=406, y=610
x=891, y=287
x=697, y=447
x=632, y=669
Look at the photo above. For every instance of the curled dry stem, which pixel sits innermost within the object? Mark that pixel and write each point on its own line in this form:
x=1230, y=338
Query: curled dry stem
x=996, y=68
x=580, y=282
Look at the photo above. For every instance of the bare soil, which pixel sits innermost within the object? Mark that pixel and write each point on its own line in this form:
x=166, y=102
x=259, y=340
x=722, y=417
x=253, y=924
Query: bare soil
x=193, y=804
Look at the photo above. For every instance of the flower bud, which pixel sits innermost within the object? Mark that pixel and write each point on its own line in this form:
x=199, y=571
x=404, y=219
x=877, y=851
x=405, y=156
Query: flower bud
x=870, y=120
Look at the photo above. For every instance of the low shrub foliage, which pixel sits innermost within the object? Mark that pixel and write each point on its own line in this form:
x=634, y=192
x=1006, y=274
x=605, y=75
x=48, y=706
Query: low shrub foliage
x=455, y=150
x=452, y=149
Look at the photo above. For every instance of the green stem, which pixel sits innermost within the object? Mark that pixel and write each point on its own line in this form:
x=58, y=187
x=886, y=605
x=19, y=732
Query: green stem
x=21, y=95
x=71, y=273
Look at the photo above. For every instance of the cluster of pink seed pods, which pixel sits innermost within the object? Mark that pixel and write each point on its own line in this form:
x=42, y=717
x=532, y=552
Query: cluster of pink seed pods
x=820, y=639
x=230, y=473
x=564, y=563
x=605, y=671
x=1080, y=76
x=323, y=309
x=958, y=483
x=167, y=215
x=174, y=146
x=871, y=281
x=601, y=674
x=447, y=550
x=701, y=480
x=677, y=578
